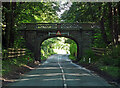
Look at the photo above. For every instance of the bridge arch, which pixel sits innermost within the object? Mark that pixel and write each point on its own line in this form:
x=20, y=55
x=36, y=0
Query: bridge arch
x=69, y=37
x=39, y=42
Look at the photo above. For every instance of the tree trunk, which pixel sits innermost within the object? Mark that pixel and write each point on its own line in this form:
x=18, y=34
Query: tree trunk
x=104, y=36
x=7, y=20
x=118, y=20
x=12, y=32
x=102, y=27
x=110, y=21
x=115, y=26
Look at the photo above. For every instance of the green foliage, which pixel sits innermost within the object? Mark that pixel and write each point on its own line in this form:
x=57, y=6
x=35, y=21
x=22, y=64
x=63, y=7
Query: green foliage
x=82, y=12
x=91, y=12
x=98, y=41
x=15, y=13
x=112, y=57
x=89, y=54
x=108, y=17
x=73, y=47
x=3, y=53
x=113, y=71
x=107, y=60
x=115, y=52
x=38, y=13
x=73, y=58
x=47, y=47
x=58, y=43
x=19, y=42
x=9, y=64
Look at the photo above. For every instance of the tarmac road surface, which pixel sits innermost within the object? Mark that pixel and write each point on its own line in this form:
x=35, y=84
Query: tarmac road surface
x=58, y=71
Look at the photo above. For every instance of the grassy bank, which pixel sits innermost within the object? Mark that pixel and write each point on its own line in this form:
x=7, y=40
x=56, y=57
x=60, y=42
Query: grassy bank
x=112, y=70
x=9, y=65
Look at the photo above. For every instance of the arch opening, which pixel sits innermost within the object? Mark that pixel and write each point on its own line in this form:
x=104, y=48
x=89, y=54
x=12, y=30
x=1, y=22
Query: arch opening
x=58, y=45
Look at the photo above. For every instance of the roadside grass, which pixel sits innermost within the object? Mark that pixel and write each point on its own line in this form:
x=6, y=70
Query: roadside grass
x=11, y=64
x=111, y=70
x=101, y=63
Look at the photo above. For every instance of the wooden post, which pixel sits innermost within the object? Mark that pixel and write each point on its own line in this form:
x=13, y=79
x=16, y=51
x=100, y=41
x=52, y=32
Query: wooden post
x=89, y=60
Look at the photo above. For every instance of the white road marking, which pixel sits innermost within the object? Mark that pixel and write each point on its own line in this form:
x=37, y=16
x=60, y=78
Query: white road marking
x=62, y=71
x=60, y=67
x=65, y=85
x=63, y=76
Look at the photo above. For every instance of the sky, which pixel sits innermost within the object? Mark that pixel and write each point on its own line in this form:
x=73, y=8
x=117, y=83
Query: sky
x=64, y=7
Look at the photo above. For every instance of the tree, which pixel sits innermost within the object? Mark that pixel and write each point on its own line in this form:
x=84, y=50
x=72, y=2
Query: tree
x=106, y=14
x=15, y=13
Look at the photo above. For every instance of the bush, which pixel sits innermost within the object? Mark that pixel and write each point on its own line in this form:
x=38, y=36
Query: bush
x=8, y=64
x=112, y=57
x=73, y=49
x=72, y=57
x=107, y=60
x=89, y=54
x=113, y=71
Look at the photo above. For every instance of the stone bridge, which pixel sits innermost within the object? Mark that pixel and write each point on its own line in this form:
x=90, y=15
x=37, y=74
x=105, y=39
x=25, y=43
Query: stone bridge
x=36, y=33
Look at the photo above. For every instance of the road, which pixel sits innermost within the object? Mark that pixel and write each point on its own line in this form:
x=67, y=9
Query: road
x=59, y=71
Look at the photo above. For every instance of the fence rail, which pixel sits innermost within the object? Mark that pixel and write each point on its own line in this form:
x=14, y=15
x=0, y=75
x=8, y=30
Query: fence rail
x=13, y=53
x=99, y=51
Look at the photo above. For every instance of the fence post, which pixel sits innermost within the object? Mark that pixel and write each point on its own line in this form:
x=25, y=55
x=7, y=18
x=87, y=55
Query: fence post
x=84, y=59
x=89, y=60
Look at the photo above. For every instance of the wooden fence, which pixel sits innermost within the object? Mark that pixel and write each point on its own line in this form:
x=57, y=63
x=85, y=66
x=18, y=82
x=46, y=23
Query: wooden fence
x=99, y=51
x=13, y=53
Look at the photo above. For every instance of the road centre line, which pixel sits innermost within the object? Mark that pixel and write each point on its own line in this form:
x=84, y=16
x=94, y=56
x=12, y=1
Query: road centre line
x=62, y=71
x=65, y=85
x=63, y=76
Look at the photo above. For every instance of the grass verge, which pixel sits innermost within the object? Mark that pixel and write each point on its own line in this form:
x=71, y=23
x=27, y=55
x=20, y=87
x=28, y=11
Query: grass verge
x=111, y=70
x=10, y=64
